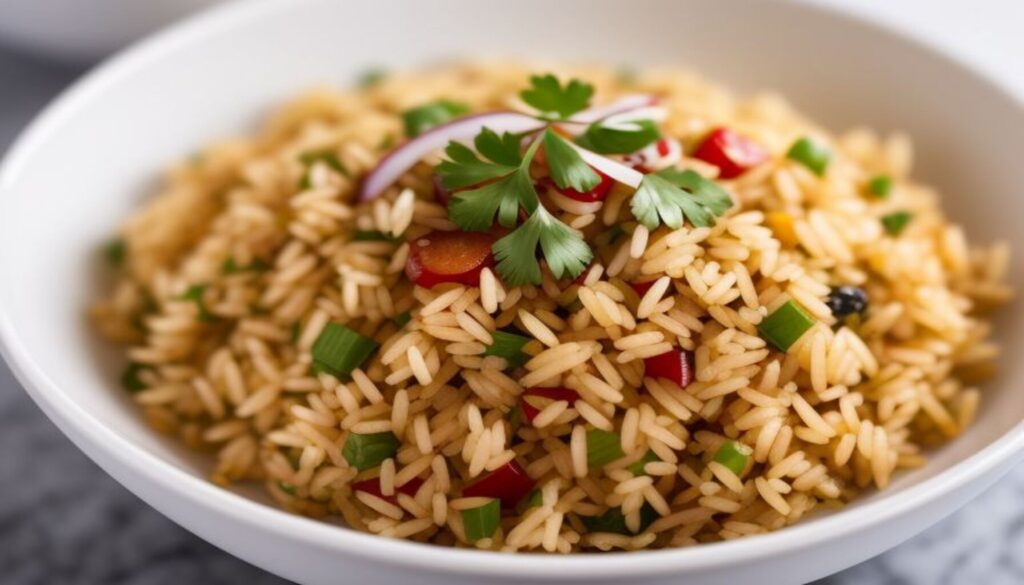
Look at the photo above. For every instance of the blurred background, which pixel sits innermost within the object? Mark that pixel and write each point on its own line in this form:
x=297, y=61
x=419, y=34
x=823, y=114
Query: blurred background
x=64, y=521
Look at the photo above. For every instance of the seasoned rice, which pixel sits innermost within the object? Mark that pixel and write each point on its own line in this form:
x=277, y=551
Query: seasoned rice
x=847, y=406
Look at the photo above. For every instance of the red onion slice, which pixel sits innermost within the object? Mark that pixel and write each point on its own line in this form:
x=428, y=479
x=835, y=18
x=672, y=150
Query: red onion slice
x=614, y=169
x=397, y=162
x=623, y=104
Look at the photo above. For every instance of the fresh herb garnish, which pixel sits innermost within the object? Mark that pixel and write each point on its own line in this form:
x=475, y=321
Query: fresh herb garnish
x=195, y=294
x=553, y=100
x=880, y=186
x=565, y=251
x=567, y=168
x=675, y=196
x=895, y=222
x=619, y=139
x=422, y=118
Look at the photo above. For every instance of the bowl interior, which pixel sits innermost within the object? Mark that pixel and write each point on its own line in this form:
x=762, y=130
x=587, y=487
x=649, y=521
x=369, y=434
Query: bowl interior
x=95, y=158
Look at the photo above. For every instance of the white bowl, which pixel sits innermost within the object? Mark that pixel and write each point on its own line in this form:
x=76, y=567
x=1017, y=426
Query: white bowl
x=88, y=160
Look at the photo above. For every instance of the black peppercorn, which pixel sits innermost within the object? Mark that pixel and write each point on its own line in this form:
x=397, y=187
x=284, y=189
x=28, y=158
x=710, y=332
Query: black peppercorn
x=847, y=300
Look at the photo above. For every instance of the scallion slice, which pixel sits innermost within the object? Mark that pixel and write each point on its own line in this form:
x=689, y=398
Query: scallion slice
x=195, y=293
x=637, y=467
x=402, y=318
x=286, y=487
x=422, y=118
x=810, y=154
x=786, y=325
x=130, y=378
x=614, y=521
x=602, y=448
x=880, y=186
x=482, y=521
x=895, y=222
x=509, y=346
x=339, y=350
x=368, y=451
x=327, y=157
x=734, y=456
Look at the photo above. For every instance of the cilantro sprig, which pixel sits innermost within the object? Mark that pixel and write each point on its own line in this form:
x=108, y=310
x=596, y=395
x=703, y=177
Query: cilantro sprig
x=555, y=101
x=671, y=196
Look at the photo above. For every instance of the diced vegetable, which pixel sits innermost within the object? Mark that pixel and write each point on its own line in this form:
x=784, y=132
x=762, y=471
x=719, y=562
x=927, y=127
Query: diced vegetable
x=449, y=257
x=603, y=447
x=508, y=483
x=674, y=365
x=614, y=521
x=895, y=222
x=847, y=300
x=195, y=294
x=370, y=236
x=328, y=157
x=880, y=186
x=641, y=288
x=509, y=346
x=286, y=487
x=115, y=252
x=598, y=193
x=482, y=521
x=130, y=378
x=733, y=154
x=231, y=266
x=402, y=318
x=535, y=400
x=637, y=467
x=781, y=224
x=372, y=487
x=370, y=450
x=339, y=350
x=734, y=456
x=786, y=325
x=422, y=118
x=810, y=154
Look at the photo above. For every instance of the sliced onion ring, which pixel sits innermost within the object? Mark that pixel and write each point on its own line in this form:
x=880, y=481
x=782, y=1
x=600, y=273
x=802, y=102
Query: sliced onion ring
x=623, y=104
x=614, y=169
x=397, y=162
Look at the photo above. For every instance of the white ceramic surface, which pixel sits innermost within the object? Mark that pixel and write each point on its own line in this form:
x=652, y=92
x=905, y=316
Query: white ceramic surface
x=90, y=158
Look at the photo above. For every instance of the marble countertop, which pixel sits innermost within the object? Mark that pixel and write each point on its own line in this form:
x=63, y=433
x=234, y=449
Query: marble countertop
x=64, y=521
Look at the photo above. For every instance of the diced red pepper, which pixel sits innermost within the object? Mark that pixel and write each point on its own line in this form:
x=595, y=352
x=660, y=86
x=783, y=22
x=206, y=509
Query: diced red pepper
x=664, y=146
x=441, y=195
x=535, y=400
x=509, y=483
x=449, y=257
x=641, y=288
x=598, y=193
x=674, y=365
x=732, y=153
x=372, y=487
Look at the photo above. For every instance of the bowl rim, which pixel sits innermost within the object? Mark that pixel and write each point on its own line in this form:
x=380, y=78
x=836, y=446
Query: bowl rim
x=411, y=555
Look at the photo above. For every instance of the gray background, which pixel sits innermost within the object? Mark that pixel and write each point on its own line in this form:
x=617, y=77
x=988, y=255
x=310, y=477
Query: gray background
x=63, y=521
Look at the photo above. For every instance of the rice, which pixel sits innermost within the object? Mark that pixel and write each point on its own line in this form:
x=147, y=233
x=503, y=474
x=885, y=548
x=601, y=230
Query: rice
x=251, y=253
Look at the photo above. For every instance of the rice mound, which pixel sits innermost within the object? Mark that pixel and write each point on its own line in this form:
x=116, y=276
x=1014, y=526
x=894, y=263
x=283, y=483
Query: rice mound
x=232, y=272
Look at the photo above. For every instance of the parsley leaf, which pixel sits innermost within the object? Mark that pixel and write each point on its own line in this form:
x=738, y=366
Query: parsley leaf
x=465, y=169
x=422, y=118
x=502, y=149
x=619, y=139
x=564, y=249
x=675, y=196
x=554, y=101
x=566, y=166
x=474, y=210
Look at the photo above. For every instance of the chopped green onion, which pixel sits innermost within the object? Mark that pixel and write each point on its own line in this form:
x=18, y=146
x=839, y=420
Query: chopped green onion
x=339, y=350
x=810, y=154
x=286, y=487
x=896, y=221
x=509, y=346
x=602, y=448
x=371, y=77
x=637, y=467
x=734, y=456
x=880, y=186
x=115, y=252
x=614, y=521
x=786, y=325
x=482, y=521
x=402, y=318
x=328, y=157
x=194, y=293
x=422, y=118
x=130, y=378
x=371, y=236
x=368, y=451
x=535, y=500
x=231, y=266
